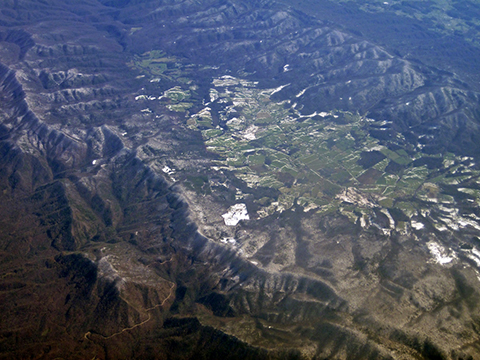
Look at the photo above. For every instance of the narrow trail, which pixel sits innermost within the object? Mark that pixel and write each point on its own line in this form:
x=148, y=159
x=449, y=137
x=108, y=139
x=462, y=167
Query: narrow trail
x=88, y=333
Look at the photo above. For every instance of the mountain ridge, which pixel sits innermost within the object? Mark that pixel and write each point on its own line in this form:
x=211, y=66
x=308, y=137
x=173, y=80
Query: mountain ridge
x=112, y=213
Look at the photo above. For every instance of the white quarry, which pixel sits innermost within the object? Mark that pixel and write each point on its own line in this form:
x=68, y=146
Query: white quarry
x=235, y=214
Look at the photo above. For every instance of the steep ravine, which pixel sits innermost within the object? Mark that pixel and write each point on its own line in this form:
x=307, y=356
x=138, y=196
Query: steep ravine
x=107, y=253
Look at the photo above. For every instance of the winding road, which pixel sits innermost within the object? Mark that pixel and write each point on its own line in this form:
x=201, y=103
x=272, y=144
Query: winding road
x=172, y=290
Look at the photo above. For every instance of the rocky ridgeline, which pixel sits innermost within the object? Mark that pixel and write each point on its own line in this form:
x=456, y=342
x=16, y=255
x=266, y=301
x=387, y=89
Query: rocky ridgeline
x=104, y=255
x=339, y=70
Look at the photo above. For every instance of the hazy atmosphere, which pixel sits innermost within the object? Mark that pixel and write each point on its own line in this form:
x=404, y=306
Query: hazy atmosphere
x=240, y=179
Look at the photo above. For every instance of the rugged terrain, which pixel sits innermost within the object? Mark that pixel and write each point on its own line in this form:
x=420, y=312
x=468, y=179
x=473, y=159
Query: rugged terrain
x=237, y=179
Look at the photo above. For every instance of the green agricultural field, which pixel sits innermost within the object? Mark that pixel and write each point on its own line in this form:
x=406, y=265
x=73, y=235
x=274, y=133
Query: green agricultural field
x=312, y=160
x=317, y=158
